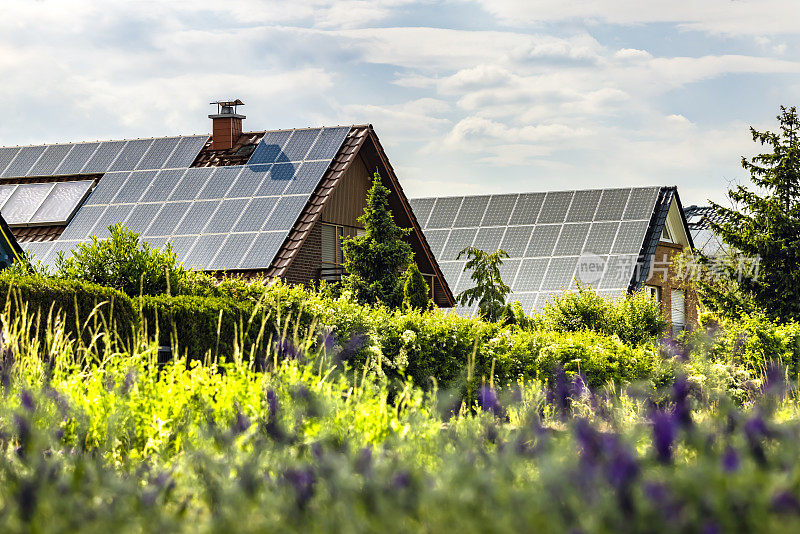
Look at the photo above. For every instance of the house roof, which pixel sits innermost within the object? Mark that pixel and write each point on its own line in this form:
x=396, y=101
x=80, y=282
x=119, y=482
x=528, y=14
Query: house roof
x=249, y=208
x=10, y=251
x=697, y=218
x=604, y=238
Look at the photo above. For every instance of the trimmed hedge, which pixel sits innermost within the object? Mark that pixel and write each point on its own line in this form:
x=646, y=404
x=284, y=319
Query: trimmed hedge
x=82, y=306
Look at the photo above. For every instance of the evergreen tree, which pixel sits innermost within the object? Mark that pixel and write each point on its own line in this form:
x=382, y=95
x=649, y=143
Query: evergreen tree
x=489, y=291
x=768, y=225
x=415, y=289
x=375, y=261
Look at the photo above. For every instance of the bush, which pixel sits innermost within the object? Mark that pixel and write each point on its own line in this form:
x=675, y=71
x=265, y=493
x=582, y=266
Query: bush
x=634, y=318
x=125, y=263
x=415, y=290
x=81, y=307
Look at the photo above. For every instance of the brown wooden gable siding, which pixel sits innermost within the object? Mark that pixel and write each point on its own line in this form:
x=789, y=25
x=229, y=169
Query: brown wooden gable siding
x=349, y=199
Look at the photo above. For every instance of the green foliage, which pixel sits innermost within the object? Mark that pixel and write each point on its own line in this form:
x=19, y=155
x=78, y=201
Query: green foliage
x=374, y=262
x=768, y=225
x=125, y=263
x=489, y=292
x=634, y=318
x=416, y=294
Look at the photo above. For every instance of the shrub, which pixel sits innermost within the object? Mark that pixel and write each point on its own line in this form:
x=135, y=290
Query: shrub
x=490, y=291
x=634, y=318
x=415, y=290
x=125, y=263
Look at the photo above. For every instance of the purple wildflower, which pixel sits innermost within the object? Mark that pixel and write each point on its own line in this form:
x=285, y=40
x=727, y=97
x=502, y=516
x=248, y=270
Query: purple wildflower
x=487, y=400
x=352, y=347
x=589, y=441
x=755, y=429
x=241, y=424
x=363, y=464
x=730, y=460
x=680, y=395
x=26, y=399
x=286, y=350
x=785, y=502
x=663, y=435
x=710, y=528
x=558, y=395
x=303, y=482
x=401, y=480
x=775, y=381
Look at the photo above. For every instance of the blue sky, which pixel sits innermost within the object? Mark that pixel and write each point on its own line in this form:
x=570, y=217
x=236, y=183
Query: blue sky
x=482, y=96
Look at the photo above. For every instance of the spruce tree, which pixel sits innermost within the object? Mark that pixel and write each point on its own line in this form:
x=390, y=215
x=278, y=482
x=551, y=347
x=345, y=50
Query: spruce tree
x=768, y=224
x=375, y=261
x=415, y=289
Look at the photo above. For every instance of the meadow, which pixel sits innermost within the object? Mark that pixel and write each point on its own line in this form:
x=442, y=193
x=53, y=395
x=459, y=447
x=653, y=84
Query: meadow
x=335, y=416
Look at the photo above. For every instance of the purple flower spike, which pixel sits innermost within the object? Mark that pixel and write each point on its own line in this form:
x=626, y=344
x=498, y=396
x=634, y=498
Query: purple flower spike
x=26, y=398
x=589, y=441
x=786, y=503
x=680, y=395
x=487, y=399
x=775, y=381
x=663, y=435
x=730, y=460
x=303, y=481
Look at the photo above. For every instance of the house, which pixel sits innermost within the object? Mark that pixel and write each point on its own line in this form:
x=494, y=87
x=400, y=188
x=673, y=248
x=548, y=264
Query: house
x=705, y=240
x=615, y=240
x=265, y=203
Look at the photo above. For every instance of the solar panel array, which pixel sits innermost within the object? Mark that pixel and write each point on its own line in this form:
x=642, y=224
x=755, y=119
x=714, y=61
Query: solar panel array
x=100, y=157
x=553, y=238
x=217, y=218
x=42, y=203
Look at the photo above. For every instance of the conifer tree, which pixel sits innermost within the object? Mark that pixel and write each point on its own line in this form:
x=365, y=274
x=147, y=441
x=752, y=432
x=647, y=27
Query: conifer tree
x=768, y=224
x=415, y=290
x=375, y=261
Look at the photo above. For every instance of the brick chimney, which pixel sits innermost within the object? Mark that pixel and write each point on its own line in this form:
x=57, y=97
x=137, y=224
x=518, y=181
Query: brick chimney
x=226, y=125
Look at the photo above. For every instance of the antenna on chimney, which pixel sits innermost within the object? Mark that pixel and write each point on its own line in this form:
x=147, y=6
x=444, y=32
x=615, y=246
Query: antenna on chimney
x=226, y=124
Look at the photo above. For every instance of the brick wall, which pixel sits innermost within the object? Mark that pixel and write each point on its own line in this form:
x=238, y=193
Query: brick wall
x=308, y=261
x=662, y=275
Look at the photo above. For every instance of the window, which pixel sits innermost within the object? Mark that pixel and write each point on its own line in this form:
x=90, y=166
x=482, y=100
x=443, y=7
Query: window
x=666, y=235
x=332, y=244
x=653, y=292
x=678, y=309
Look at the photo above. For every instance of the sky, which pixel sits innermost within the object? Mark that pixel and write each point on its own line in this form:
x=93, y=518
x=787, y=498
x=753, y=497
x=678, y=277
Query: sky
x=467, y=97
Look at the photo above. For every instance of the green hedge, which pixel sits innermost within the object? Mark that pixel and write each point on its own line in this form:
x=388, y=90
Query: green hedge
x=83, y=307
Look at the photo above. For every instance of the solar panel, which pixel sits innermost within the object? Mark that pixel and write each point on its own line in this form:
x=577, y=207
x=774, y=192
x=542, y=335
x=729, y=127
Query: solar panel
x=459, y=239
x=444, y=212
x=515, y=240
x=508, y=270
x=255, y=214
x=451, y=271
x=619, y=271
x=554, y=209
x=612, y=204
x=130, y=156
x=107, y=188
x=436, y=239
x=39, y=250
x=162, y=185
x=57, y=249
x=270, y=148
x=543, y=240
x=232, y=251
x=328, y=143
x=527, y=208
x=277, y=179
x=300, y=143
x=204, y=250
x=220, y=181
x=168, y=217
x=584, y=204
x=186, y=152
x=285, y=213
x=471, y=212
x=226, y=215
x=601, y=237
x=262, y=251
x=641, y=203
x=5, y=191
x=24, y=201
x=630, y=237
x=117, y=213
x=6, y=155
x=488, y=239
x=560, y=274
x=50, y=160
x=422, y=209
x=158, y=153
x=62, y=202
x=572, y=239
x=182, y=245
x=499, y=211
x=530, y=274
x=76, y=159
x=104, y=156
x=133, y=189
x=142, y=217
x=81, y=225
x=307, y=177
x=192, y=182
x=250, y=179
x=22, y=163
x=197, y=217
